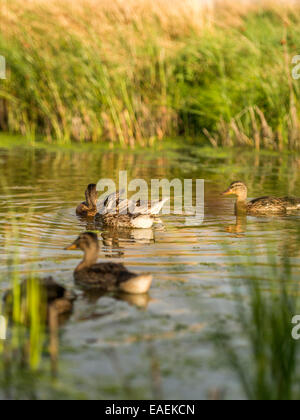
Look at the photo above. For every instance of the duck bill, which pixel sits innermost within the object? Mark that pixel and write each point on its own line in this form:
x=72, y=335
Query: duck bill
x=227, y=192
x=71, y=247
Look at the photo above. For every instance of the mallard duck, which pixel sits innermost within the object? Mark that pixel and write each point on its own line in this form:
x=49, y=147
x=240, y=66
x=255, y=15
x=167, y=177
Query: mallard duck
x=114, y=203
x=106, y=276
x=89, y=207
x=262, y=205
x=54, y=295
x=115, y=212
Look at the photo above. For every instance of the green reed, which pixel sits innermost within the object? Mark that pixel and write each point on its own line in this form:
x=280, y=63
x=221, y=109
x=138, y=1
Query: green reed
x=263, y=353
x=130, y=78
x=25, y=308
x=25, y=314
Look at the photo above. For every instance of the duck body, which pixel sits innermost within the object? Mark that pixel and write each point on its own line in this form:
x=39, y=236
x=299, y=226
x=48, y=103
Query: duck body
x=133, y=221
x=116, y=212
x=108, y=277
x=263, y=205
x=273, y=205
x=112, y=277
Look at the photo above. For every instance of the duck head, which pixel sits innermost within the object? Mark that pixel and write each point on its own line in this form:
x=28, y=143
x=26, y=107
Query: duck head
x=89, y=244
x=239, y=189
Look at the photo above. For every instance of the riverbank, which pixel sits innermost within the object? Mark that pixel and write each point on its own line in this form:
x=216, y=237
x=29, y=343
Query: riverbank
x=221, y=75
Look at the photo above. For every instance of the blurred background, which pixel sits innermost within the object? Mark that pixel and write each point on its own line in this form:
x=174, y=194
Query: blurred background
x=135, y=72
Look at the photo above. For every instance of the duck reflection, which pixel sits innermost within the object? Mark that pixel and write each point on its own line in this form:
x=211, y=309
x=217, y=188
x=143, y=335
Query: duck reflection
x=240, y=227
x=90, y=223
x=116, y=240
x=140, y=301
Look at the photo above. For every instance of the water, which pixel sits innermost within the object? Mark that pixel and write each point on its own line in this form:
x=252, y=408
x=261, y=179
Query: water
x=158, y=346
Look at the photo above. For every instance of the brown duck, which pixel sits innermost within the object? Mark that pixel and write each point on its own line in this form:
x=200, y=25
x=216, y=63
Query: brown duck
x=262, y=205
x=89, y=207
x=116, y=213
x=106, y=276
x=132, y=221
x=52, y=294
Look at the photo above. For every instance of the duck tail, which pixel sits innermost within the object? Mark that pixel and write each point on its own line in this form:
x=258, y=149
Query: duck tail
x=142, y=222
x=137, y=285
x=157, y=207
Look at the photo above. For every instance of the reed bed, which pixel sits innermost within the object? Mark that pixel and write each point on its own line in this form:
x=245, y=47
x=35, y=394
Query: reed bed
x=137, y=71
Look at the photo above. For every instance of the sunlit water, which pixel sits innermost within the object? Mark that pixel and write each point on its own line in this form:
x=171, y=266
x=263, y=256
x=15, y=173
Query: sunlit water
x=149, y=347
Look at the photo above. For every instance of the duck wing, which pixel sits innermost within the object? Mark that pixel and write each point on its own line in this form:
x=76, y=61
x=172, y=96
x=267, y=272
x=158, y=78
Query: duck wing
x=146, y=208
x=114, y=204
x=266, y=205
x=111, y=202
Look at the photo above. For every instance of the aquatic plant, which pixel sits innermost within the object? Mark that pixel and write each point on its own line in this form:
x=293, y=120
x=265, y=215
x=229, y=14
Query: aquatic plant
x=263, y=353
x=25, y=311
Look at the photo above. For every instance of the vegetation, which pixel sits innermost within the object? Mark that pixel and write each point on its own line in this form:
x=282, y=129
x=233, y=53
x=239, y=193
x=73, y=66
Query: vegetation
x=263, y=353
x=136, y=71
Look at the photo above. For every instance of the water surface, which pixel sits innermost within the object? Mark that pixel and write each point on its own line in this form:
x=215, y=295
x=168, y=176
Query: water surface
x=158, y=346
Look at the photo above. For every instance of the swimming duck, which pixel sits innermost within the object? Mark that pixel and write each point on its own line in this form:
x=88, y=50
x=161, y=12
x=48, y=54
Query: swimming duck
x=262, y=205
x=114, y=202
x=106, y=276
x=89, y=207
x=54, y=295
x=111, y=217
x=123, y=213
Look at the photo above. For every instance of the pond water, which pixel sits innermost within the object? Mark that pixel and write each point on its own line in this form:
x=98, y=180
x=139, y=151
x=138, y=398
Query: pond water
x=158, y=346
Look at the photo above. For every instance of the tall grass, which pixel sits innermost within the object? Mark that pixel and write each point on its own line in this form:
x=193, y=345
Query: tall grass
x=131, y=72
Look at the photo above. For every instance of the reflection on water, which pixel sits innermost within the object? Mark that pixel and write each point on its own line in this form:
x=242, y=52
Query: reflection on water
x=147, y=346
x=239, y=228
x=116, y=240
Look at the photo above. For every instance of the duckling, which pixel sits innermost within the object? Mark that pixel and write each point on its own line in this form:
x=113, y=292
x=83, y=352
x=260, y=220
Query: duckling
x=54, y=295
x=262, y=205
x=89, y=207
x=106, y=276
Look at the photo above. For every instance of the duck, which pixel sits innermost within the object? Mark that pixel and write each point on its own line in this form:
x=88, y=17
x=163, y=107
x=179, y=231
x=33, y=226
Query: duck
x=56, y=297
x=109, y=277
x=89, y=207
x=114, y=202
x=262, y=205
x=121, y=214
x=111, y=216
x=116, y=212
